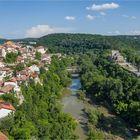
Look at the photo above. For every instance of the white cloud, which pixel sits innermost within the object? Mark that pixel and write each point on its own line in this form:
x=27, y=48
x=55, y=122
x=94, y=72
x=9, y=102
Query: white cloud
x=105, y=6
x=129, y=17
x=125, y=16
x=41, y=30
x=102, y=13
x=117, y=32
x=109, y=32
x=90, y=17
x=70, y=18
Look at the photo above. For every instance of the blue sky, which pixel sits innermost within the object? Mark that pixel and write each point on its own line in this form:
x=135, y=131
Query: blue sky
x=22, y=18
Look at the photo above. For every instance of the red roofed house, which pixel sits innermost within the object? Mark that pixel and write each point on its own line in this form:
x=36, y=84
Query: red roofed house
x=6, y=89
x=3, y=137
x=5, y=109
x=13, y=81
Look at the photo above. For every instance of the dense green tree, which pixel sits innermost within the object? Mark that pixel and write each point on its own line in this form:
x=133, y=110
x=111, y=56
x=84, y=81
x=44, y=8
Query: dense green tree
x=11, y=57
x=19, y=67
x=40, y=116
x=110, y=83
x=38, y=55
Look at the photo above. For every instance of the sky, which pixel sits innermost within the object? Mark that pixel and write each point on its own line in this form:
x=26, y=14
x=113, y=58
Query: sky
x=36, y=18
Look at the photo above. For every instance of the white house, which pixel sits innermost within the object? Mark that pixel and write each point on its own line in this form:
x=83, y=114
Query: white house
x=41, y=49
x=29, y=46
x=5, y=109
x=34, y=68
x=5, y=72
x=46, y=58
x=10, y=83
x=2, y=65
x=2, y=75
x=3, y=52
x=32, y=42
x=14, y=83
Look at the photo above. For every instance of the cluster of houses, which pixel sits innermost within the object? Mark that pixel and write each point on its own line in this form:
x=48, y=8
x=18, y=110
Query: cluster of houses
x=9, y=80
x=117, y=56
x=119, y=59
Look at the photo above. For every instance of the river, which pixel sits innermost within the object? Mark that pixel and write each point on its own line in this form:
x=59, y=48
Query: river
x=73, y=106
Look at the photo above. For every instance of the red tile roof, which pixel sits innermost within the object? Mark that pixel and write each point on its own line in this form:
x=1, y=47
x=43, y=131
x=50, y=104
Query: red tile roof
x=23, y=72
x=7, y=106
x=2, y=101
x=3, y=137
x=13, y=79
x=7, y=88
x=22, y=78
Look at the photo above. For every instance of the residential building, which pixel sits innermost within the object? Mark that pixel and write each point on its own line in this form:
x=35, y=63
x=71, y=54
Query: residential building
x=3, y=136
x=5, y=108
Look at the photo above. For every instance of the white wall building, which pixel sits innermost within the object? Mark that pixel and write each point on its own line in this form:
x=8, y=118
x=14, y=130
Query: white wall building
x=2, y=65
x=41, y=49
x=3, y=51
x=5, y=109
x=4, y=112
x=34, y=68
x=2, y=75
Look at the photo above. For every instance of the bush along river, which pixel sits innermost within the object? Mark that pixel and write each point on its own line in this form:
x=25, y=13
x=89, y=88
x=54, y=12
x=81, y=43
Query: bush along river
x=75, y=107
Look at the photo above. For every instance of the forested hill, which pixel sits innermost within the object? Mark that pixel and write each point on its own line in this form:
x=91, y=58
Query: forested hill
x=81, y=42
x=77, y=43
x=26, y=40
x=67, y=42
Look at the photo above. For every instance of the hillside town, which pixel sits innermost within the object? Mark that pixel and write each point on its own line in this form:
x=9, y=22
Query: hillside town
x=120, y=60
x=27, y=66
x=20, y=63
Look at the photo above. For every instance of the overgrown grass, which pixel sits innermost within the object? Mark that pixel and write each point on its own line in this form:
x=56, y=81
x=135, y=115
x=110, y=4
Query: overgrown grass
x=66, y=91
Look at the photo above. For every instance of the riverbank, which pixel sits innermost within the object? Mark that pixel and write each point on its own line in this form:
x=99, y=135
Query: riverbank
x=111, y=126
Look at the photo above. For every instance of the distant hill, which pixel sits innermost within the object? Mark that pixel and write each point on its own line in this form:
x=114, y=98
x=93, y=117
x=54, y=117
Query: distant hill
x=68, y=42
x=64, y=42
x=26, y=40
x=2, y=41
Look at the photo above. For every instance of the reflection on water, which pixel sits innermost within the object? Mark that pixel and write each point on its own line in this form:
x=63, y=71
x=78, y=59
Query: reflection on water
x=75, y=107
x=75, y=85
